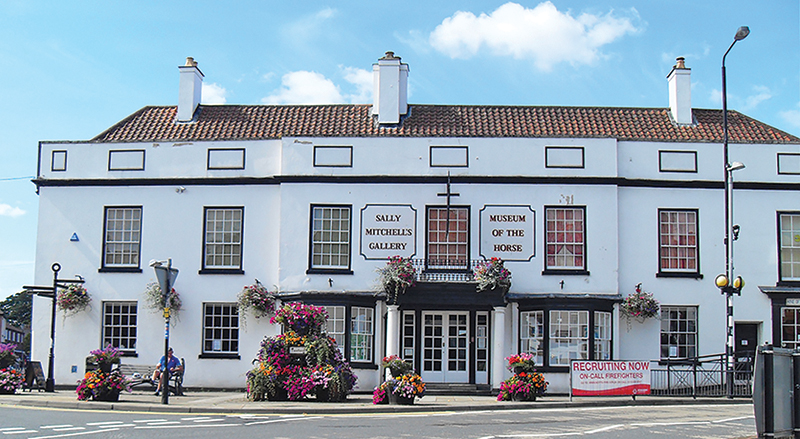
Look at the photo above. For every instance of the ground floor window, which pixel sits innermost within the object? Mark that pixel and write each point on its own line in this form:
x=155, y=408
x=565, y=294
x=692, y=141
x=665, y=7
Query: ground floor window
x=355, y=340
x=678, y=331
x=559, y=335
x=790, y=327
x=119, y=325
x=361, y=334
x=220, y=328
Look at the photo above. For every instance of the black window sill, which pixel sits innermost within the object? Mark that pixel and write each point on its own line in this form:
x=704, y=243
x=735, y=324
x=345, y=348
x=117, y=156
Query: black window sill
x=679, y=275
x=219, y=356
x=788, y=283
x=221, y=271
x=676, y=362
x=552, y=272
x=130, y=354
x=329, y=271
x=365, y=366
x=119, y=270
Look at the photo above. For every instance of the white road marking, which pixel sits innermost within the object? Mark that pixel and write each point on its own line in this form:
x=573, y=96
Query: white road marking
x=95, y=424
x=209, y=420
x=137, y=421
x=69, y=429
x=106, y=430
x=733, y=419
x=19, y=431
x=164, y=423
x=598, y=430
x=199, y=418
x=284, y=420
x=56, y=426
x=12, y=428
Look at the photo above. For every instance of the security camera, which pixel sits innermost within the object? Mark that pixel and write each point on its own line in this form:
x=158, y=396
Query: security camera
x=155, y=263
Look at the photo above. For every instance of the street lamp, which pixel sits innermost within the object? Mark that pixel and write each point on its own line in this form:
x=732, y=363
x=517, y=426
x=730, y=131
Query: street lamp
x=166, y=276
x=723, y=281
x=52, y=293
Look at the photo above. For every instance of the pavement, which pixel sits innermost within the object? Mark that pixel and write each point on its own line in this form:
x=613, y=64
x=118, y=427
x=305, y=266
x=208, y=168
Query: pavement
x=228, y=402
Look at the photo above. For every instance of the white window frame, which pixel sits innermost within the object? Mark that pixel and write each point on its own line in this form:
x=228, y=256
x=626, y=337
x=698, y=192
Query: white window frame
x=331, y=233
x=336, y=325
x=532, y=335
x=602, y=335
x=678, y=241
x=120, y=325
x=565, y=245
x=789, y=246
x=122, y=237
x=223, y=238
x=679, y=336
x=569, y=329
x=790, y=328
x=225, y=332
x=362, y=334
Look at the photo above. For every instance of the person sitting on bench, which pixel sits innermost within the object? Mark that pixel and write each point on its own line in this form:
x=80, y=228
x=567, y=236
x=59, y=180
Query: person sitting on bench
x=172, y=363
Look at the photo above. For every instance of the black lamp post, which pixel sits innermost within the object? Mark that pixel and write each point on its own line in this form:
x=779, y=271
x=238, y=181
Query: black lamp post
x=723, y=281
x=52, y=292
x=166, y=276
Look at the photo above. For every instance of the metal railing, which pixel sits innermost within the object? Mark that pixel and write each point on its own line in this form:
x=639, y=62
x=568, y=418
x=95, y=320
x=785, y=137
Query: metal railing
x=701, y=376
x=445, y=270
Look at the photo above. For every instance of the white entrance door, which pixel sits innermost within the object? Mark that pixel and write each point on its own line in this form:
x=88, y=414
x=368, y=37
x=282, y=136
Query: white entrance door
x=445, y=347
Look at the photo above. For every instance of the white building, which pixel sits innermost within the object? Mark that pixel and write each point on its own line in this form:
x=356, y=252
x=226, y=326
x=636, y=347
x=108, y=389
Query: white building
x=582, y=203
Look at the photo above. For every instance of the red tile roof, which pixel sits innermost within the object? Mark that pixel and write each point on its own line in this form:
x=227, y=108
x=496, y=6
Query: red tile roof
x=251, y=122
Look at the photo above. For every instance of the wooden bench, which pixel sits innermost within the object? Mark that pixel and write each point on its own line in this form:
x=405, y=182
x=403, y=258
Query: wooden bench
x=141, y=375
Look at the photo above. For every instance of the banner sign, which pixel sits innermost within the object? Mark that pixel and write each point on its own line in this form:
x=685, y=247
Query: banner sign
x=507, y=232
x=388, y=230
x=601, y=378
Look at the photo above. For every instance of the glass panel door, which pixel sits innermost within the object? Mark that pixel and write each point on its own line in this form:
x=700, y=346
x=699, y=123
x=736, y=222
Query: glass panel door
x=445, y=352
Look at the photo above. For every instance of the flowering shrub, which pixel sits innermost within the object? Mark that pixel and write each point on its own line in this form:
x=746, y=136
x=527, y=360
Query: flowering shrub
x=396, y=365
x=96, y=382
x=155, y=300
x=108, y=354
x=408, y=386
x=257, y=300
x=10, y=380
x=396, y=276
x=73, y=299
x=7, y=355
x=523, y=386
x=491, y=275
x=640, y=304
x=301, y=318
x=281, y=375
x=524, y=361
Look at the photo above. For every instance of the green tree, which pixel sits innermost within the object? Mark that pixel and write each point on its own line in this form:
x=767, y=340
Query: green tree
x=17, y=309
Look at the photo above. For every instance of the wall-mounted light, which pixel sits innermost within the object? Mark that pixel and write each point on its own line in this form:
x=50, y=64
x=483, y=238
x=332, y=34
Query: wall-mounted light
x=180, y=189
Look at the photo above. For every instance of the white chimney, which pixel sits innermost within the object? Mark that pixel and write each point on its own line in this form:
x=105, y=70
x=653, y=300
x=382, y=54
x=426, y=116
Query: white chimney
x=680, y=93
x=190, y=87
x=390, y=82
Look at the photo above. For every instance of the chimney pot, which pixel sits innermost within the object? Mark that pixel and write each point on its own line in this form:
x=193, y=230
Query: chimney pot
x=680, y=63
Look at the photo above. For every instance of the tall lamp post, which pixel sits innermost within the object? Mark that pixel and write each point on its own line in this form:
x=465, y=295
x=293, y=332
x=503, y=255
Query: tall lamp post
x=52, y=292
x=166, y=276
x=724, y=282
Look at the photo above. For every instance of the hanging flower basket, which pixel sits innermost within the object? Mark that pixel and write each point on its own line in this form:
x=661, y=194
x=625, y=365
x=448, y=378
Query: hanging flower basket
x=73, y=299
x=640, y=305
x=155, y=300
x=396, y=276
x=256, y=299
x=492, y=275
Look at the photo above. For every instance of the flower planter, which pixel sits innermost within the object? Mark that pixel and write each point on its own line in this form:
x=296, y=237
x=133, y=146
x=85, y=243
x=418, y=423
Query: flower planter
x=5, y=362
x=523, y=397
x=280, y=394
x=105, y=366
x=325, y=395
x=7, y=391
x=400, y=400
x=519, y=369
x=108, y=395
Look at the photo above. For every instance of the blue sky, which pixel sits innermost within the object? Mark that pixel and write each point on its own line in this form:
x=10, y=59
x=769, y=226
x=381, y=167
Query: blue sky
x=69, y=70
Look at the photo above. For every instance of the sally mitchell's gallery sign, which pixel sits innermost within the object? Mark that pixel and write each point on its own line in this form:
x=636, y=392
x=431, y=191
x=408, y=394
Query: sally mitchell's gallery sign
x=388, y=230
x=507, y=232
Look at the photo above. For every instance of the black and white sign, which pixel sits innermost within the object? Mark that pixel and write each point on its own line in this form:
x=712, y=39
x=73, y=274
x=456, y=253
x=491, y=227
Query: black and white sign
x=507, y=232
x=388, y=230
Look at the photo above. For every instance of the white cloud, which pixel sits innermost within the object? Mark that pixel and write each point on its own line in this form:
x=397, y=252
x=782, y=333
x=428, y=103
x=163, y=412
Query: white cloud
x=542, y=34
x=214, y=94
x=303, y=87
x=791, y=116
x=6, y=210
x=362, y=79
x=762, y=93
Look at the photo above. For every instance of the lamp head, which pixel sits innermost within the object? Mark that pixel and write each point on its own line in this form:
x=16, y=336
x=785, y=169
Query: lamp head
x=735, y=166
x=738, y=283
x=721, y=281
x=155, y=263
x=742, y=33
